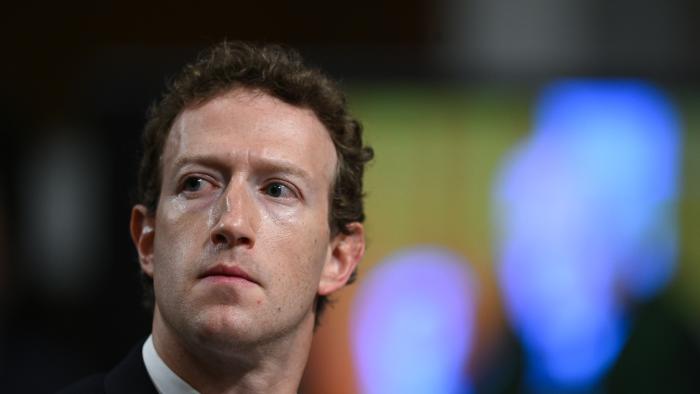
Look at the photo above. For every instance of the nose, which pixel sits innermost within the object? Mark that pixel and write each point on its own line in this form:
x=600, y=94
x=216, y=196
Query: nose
x=237, y=220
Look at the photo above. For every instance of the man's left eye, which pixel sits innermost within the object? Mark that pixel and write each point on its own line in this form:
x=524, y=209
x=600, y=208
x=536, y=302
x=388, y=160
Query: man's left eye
x=278, y=190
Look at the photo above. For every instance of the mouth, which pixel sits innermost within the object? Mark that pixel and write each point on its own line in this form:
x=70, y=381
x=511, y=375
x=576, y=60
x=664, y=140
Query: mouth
x=225, y=273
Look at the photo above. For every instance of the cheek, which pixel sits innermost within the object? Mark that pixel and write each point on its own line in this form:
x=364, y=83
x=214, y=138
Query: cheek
x=309, y=248
x=179, y=232
x=284, y=217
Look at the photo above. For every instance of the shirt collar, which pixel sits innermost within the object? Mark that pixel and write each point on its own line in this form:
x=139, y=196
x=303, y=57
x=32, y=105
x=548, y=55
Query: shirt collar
x=165, y=380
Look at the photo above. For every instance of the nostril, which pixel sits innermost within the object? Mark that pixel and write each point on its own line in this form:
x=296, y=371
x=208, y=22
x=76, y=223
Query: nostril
x=226, y=240
x=219, y=239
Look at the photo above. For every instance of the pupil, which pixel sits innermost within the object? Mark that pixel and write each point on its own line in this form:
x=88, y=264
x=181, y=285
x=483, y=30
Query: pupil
x=276, y=190
x=192, y=183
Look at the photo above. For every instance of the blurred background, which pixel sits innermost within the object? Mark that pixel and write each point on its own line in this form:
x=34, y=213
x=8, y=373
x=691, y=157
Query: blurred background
x=533, y=209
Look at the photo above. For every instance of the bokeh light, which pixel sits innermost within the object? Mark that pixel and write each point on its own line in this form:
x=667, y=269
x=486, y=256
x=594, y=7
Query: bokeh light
x=586, y=212
x=413, y=324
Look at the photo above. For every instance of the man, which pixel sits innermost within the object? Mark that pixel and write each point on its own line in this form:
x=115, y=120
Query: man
x=250, y=215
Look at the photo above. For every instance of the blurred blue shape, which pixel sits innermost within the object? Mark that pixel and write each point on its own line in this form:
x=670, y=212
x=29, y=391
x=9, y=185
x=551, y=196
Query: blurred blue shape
x=586, y=210
x=413, y=323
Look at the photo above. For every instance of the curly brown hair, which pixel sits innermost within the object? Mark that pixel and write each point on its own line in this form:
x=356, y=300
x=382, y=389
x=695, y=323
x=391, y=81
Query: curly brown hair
x=280, y=72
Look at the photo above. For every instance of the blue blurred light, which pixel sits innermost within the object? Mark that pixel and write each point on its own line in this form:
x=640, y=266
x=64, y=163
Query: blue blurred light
x=586, y=210
x=413, y=323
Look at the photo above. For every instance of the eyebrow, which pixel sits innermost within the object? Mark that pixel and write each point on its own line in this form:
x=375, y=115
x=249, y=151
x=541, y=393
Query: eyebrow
x=205, y=160
x=265, y=164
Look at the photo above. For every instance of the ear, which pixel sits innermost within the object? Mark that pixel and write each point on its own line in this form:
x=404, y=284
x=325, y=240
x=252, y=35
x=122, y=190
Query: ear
x=142, y=228
x=346, y=252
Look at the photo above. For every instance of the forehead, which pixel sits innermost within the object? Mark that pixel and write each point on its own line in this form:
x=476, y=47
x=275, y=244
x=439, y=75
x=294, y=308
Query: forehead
x=255, y=126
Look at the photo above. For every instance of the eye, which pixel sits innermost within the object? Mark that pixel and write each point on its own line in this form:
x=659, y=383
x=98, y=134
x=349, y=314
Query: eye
x=278, y=190
x=193, y=184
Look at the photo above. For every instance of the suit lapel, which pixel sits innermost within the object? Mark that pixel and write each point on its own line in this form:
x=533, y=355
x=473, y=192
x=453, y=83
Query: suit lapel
x=130, y=376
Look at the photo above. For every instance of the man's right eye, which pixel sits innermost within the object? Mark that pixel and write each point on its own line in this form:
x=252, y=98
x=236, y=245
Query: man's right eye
x=193, y=184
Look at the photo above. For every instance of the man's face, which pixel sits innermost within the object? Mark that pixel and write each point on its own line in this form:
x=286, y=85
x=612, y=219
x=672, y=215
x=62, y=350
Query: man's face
x=241, y=244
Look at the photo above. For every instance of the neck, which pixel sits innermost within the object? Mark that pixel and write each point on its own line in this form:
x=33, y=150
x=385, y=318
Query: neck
x=274, y=366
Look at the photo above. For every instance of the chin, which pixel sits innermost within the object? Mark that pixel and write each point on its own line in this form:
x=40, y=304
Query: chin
x=223, y=327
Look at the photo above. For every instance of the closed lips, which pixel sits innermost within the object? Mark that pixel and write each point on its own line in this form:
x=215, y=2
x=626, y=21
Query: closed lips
x=228, y=271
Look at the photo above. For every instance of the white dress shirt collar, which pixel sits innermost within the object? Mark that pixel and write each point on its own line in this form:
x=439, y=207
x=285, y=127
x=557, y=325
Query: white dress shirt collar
x=165, y=380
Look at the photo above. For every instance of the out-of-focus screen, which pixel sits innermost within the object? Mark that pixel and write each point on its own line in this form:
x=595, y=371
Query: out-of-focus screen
x=533, y=208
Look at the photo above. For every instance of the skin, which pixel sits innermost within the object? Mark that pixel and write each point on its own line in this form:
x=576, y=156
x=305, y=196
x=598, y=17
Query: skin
x=246, y=184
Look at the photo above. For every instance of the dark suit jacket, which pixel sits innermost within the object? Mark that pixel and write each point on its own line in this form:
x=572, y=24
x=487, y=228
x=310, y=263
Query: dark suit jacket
x=128, y=377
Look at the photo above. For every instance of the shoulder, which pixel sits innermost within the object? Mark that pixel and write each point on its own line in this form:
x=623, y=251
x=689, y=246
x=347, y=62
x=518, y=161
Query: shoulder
x=129, y=376
x=92, y=384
